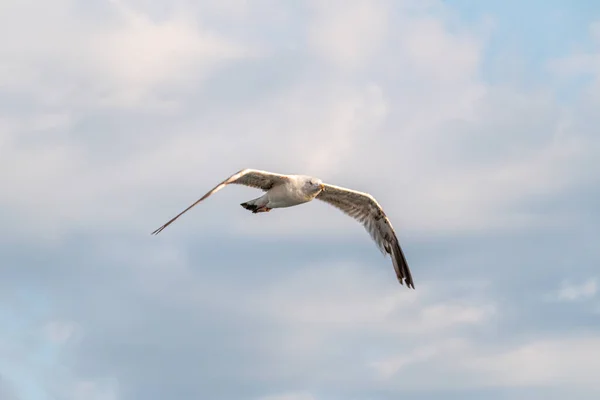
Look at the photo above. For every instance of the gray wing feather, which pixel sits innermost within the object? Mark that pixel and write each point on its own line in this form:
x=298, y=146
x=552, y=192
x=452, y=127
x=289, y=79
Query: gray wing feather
x=249, y=177
x=364, y=208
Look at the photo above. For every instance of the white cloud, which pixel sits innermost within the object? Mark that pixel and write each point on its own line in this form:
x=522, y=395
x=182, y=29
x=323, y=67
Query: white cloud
x=561, y=363
x=389, y=367
x=409, y=340
x=577, y=64
x=576, y=292
x=119, y=62
x=348, y=32
x=364, y=302
x=430, y=50
x=553, y=362
x=60, y=332
x=140, y=54
x=580, y=62
x=326, y=306
x=405, y=136
x=595, y=31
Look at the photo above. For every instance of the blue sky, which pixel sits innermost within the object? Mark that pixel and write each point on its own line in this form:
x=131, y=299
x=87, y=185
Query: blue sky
x=473, y=123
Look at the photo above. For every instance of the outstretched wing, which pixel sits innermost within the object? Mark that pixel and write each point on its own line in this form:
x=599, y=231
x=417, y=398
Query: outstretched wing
x=250, y=177
x=365, y=209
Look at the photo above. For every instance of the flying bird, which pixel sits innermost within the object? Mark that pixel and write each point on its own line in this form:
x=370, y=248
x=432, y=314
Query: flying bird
x=291, y=190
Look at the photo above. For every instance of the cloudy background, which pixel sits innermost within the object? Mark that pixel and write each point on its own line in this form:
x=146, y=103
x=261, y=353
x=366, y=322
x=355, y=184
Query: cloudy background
x=474, y=123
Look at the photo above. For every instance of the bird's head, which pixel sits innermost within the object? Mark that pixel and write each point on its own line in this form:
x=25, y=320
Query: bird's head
x=314, y=185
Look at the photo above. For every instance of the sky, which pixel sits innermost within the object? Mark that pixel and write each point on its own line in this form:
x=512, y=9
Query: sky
x=474, y=125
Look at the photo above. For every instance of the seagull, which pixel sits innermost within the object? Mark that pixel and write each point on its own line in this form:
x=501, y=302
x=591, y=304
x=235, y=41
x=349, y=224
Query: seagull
x=291, y=190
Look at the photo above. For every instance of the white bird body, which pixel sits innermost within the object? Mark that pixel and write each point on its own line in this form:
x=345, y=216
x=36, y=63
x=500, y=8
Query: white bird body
x=292, y=190
x=288, y=194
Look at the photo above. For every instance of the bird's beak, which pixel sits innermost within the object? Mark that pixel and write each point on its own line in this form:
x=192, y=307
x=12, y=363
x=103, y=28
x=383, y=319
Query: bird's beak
x=322, y=186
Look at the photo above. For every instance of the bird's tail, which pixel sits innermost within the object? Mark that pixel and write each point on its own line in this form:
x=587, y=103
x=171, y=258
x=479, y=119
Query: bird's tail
x=249, y=206
x=254, y=205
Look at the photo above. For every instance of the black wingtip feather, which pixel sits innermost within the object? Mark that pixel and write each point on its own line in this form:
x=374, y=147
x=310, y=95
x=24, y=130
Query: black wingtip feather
x=403, y=272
